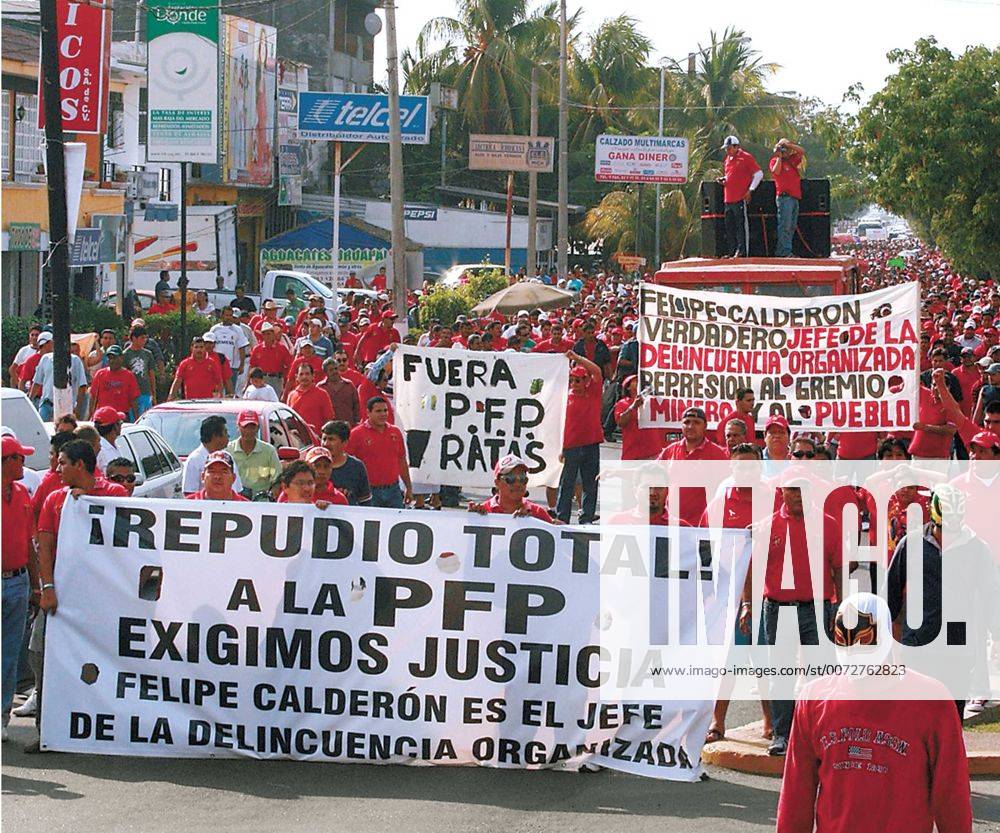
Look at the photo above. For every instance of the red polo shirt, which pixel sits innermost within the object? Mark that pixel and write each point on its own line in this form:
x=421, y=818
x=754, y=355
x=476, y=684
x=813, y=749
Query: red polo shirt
x=637, y=443
x=379, y=451
x=788, y=535
x=51, y=481
x=329, y=493
x=48, y=518
x=18, y=528
x=492, y=507
x=925, y=444
x=739, y=170
x=583, y=417
x=273, y=359
x=705, y=450
x=856, y=445
x=314, y=361
x=788, y=180
x=116, y=388
x=200, y=495
x=313, y=405
x=200, y=378
x=747, y=420
x=373, y=341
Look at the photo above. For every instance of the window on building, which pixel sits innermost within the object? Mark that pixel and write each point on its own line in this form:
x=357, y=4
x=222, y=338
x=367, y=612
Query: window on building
x=114, y=139
x=143, y=107
x=29, y=152
x=165, y=177
x=6, y=120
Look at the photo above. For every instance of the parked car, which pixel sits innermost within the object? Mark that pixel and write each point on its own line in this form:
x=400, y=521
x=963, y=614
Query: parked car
x=19, y=415
x=179, y=423
x=460, y=273
x=146, y=298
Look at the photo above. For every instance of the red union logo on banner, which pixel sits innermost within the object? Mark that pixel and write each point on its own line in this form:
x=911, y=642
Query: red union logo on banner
x=84, y=33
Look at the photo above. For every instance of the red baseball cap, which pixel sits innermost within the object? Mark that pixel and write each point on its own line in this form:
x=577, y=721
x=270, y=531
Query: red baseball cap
x=12, y=446
x=775, y=419
x=507, y=464
x=580, y=371
x=220, y=456
x=388, y=315
x=248, y=417
x=316, y=452
x=108, y=416
x=986, y=439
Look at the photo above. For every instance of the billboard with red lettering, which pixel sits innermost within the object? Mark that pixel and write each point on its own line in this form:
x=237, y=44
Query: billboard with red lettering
x=84, y=33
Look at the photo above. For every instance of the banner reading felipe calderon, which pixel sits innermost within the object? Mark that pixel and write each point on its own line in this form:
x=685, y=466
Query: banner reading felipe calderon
x=354, y=635
x=463, y=410
x=832, y=363
x=183, y=71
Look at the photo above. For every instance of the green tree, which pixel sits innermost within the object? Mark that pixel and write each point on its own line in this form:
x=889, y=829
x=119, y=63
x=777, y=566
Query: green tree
x=930, y=143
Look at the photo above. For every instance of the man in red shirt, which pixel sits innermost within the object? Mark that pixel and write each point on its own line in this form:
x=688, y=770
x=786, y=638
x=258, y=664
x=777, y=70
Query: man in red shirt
x=376, y=338
x=857, y=762
x=582, y=438
x=555, y=343
x=742, y=176
x=787, y=534
x=308, y=401
x=272, y=357
x=637, y=443
x=217, y=479
x=200, y=375
x=20, y=566
x=114, y=386
x=743, y=405
x=694, y=444
x=268, y=315
x=380, y=281
x=784, y=166
x=510, y=477
x=305, y=354
x=381, y=447
x=162, y=305
x=932, y=432
x=970, y=379
x=320, y=462
x=51, y=481
x=27, y=373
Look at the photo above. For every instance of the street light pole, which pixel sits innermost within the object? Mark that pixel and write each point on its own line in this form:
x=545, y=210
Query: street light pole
x=656, y=235
x=562, y=253
x=398, y=242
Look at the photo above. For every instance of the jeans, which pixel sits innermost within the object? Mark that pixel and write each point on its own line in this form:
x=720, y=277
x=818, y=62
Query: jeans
x=585, y=461
x=782, y=709
x=387, y=497
x=737, y=229
x=16, y=591
x=788, y=219
x=45, y=410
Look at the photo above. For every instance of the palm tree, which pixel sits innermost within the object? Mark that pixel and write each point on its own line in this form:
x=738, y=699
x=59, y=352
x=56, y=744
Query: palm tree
x=494, y=44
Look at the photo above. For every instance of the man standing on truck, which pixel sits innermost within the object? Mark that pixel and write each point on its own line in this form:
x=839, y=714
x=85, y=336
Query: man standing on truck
x=785, y=163
x=742, y=176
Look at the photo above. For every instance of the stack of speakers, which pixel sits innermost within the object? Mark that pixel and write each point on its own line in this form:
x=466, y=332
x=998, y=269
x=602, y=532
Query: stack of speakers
x=811, y=239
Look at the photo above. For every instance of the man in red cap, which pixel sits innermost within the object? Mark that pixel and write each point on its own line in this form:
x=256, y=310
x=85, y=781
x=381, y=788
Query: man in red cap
x=113, y=386
x=382, y=449
x=637, y=443
x=510, y=477
x=376, y=338
x=985, y=446
x=308, y=401
x=20, y=565
x=582, y=438
x=776, y=438
x=217, y=479
x=200, y=375
x=256, y=461
x=108, y=423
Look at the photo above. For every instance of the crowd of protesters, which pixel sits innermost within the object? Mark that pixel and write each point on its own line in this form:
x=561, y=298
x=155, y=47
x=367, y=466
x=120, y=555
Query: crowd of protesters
x=334, y=368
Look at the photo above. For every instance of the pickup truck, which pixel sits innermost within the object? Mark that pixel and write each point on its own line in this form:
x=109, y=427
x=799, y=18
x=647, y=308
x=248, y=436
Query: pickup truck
x=276, y=284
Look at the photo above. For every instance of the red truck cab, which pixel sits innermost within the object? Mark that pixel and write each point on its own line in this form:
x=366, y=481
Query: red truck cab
x=788, y=276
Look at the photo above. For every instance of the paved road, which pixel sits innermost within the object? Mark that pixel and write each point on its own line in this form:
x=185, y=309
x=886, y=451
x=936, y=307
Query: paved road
x=56, y=792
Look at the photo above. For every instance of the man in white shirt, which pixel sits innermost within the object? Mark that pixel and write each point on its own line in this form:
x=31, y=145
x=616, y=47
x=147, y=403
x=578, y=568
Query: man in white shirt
x=231, y=341
x=214, y=437
x=41, y=384
x=25, y=353
x=108, y=423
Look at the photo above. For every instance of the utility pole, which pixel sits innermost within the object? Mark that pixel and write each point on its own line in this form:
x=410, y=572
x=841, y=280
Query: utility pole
x=182, y=282
x=533, y=183
x=562, y=253
x=656, y=236
x=398, y=241
x=335, y=281
x=444, y=142
x=55, y=166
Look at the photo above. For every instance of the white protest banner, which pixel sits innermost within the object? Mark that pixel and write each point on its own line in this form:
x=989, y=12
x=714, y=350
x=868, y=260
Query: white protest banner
x=463, y=410
x=351, y=634
x=641, y=159
x=831, y=363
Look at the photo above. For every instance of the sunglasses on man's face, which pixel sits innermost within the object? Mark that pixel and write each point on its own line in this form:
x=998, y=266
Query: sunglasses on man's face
x=122, y=478
x=798, y=455
x=514, y=479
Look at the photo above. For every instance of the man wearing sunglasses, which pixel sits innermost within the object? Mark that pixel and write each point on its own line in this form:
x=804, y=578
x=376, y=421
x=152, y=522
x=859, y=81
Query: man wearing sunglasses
x=510, y=476
x=121, y=470
x=804, y=448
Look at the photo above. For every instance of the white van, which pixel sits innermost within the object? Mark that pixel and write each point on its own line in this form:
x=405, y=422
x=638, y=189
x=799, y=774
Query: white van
x=19, y=415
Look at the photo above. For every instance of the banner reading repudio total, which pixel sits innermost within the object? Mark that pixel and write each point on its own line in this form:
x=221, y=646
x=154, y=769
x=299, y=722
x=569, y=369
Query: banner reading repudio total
x=183, y=75
x=223, y=629
x=832, y=363
x=463, y=410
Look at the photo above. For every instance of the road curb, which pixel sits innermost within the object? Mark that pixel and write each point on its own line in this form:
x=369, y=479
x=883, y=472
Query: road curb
x=745, y=750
